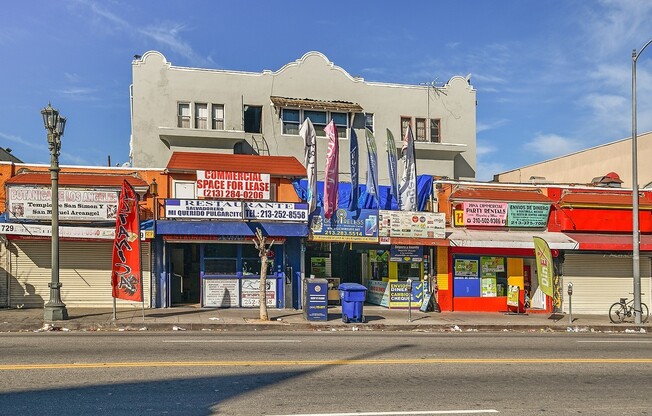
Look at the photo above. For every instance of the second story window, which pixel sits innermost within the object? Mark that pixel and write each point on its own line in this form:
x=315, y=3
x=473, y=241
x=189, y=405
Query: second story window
x=183, y=115
x=420, y=131
x=253, y=115
x=405, y=122
x=319, y=120
x=291, y=119
x=369, y=121
x=201, y=116
x=435, y=130
x=341, y=123
x=218, y=117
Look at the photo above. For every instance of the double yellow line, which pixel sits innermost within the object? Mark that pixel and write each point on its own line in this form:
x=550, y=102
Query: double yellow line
x=406, y=361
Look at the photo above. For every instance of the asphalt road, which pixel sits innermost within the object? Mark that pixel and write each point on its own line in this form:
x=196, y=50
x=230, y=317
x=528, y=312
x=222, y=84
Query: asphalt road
x=329, y=373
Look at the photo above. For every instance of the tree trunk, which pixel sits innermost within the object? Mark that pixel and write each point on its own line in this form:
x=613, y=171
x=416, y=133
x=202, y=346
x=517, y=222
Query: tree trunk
x=260, y=243
x=263, y=288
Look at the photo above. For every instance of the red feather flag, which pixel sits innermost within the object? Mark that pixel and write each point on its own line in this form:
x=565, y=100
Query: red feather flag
x=126, y=276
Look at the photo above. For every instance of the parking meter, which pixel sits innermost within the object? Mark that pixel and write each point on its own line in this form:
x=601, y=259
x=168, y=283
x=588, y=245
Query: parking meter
x=409, y=289
x=570, y=302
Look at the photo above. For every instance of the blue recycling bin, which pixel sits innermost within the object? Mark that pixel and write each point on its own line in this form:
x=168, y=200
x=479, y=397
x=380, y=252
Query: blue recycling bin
x=352, y=296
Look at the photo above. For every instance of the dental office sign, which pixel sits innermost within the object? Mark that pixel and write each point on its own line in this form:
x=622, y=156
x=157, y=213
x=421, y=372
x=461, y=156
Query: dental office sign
x=232, y=185
x=486, y=214
x=35, y=203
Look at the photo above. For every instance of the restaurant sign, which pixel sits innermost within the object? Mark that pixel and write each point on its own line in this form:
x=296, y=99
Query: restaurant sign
x=35, y=203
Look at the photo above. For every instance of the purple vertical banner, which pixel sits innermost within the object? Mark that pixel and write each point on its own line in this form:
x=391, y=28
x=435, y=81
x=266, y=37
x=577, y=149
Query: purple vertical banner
x=331, y=180
x=355, y=168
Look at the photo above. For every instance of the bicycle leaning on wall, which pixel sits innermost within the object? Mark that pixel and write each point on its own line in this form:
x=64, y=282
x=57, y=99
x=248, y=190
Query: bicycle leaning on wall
x=623, y=309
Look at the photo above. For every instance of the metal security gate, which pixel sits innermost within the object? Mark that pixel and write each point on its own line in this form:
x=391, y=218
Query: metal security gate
x=85, y=273
x=600, y=280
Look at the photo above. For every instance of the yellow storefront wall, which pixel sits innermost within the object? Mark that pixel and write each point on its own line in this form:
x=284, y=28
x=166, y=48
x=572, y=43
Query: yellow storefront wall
x=515, y=272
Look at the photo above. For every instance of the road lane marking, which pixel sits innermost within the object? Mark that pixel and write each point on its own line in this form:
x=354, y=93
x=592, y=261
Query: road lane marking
x=613, y=341
x=415, y=412
x=231, y=341
x=136, y=364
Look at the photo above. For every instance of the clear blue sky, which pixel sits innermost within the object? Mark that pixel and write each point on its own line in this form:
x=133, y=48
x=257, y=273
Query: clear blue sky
x=552, y=76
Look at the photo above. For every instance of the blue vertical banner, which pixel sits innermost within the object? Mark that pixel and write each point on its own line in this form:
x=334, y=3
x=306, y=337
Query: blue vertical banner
x=372, y=165
x=392, y=160
x=355, y=193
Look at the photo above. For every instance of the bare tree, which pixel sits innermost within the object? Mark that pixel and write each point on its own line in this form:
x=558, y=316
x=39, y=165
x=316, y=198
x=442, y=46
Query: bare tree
x=260, y=241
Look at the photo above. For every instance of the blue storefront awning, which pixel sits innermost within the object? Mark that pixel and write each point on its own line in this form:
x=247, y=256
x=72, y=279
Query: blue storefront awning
x=167, y=227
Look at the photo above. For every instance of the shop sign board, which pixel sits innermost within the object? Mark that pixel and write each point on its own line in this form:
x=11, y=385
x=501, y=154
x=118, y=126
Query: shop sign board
x=378, y=293
x=221, y=293
x=513, y=295
x=232, y=185
x=250, y=292
x=485, y=213
x=353, y=226
x=411, y=224
x=527, y=215
x=35, y=203
x=276, y=211
x=203, y=209
x=37, y=230
x=406, y=254
x=399, y=296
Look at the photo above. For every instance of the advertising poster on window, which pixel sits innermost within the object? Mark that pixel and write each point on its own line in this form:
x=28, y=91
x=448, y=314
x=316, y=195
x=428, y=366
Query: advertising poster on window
x=492, y=214
x=527, y=215
x=489, y=266
x=221, y=293
x=250, y=292
x=232, y=185
x=406, y=254
x=466, y=269
x=345, y=226
x=35, y=203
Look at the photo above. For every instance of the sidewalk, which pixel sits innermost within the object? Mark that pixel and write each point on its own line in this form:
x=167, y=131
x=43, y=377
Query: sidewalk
x=377, y=318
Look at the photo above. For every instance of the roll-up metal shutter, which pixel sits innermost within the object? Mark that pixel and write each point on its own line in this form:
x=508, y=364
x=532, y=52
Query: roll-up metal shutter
x=85, y=274
x=600, y=280
x=4, y=274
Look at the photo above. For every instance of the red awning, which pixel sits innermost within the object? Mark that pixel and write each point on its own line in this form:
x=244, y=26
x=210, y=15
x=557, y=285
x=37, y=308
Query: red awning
x=610, y=242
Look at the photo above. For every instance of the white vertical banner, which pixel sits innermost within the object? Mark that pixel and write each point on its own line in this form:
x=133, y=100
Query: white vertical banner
x=307, y=132
x=408, y=187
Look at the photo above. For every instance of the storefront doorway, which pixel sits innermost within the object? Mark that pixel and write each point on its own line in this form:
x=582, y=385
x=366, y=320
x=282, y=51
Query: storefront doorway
x=184, y=274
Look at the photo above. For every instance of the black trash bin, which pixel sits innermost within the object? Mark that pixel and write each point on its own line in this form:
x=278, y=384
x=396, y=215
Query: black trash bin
x=352, y=296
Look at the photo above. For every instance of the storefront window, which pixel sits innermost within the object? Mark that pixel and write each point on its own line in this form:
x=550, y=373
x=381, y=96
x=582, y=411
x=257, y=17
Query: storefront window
x=409, y=271
x=220, y=259
x=220, y=266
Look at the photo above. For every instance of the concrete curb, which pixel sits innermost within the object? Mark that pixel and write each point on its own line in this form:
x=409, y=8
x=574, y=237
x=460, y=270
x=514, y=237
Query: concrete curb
x=313, y=327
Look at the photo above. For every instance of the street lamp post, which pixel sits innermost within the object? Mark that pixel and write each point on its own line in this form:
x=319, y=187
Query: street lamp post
x=55, y=309
x=635, y=228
